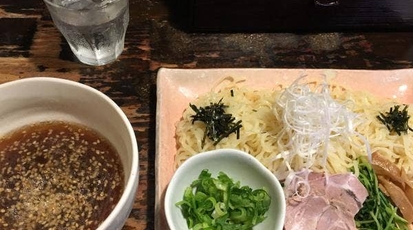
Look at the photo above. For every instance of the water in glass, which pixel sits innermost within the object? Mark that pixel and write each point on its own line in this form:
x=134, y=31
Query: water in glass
x=94, y=29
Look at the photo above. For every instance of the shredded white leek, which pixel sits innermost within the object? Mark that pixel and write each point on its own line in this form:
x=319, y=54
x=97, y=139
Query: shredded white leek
x=311, y=117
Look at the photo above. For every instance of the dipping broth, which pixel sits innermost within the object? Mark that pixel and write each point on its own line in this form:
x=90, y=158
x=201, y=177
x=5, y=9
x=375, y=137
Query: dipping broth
x=57, y=175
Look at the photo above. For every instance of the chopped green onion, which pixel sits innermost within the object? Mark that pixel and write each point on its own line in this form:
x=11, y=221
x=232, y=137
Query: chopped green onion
x=222, y=204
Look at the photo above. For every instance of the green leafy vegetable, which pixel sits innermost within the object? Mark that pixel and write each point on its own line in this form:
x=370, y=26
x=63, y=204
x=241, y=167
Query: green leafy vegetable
x=396, y=120
x=218, y=123
x=220, y=204
x=377, y=211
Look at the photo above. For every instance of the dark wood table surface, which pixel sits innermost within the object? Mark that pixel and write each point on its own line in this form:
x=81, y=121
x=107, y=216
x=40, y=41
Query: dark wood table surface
x=31, y=46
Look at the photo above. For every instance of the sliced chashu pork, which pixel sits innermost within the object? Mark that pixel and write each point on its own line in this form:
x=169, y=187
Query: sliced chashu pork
x=331, y=204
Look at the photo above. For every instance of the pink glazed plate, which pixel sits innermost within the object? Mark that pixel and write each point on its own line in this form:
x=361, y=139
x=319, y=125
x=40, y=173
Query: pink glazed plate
x=176, y=88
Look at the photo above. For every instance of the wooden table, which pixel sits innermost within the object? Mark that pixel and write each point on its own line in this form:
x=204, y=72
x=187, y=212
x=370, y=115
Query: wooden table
x=31, y=46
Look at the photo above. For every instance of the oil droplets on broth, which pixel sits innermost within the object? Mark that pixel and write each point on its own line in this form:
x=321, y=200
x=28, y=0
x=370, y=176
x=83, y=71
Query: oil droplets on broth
x=57, y=175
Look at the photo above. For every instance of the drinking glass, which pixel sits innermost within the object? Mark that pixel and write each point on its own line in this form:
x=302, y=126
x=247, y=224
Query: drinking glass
x=94, y=29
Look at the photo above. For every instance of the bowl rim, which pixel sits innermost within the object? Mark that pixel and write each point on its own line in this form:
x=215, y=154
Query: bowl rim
x=207, y=154
x=131, y=184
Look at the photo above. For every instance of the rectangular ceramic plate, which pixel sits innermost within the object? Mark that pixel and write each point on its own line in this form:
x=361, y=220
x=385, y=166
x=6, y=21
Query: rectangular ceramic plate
x=176, y=88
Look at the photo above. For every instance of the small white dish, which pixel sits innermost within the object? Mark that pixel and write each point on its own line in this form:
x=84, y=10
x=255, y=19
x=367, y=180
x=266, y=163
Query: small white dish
x=238, y=165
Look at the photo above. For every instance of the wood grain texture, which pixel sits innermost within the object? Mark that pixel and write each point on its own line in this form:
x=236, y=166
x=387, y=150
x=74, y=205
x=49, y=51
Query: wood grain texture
x=30, y=45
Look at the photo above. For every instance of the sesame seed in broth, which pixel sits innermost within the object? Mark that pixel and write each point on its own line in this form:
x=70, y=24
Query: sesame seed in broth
x=57, y=175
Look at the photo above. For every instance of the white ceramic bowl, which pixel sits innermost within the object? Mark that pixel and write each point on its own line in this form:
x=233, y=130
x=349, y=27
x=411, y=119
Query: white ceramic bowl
x=39, y=99
x=238, y=165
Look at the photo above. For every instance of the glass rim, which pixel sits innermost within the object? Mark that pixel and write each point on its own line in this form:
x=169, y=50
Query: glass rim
x=52, y=3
